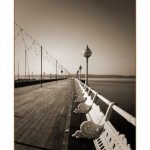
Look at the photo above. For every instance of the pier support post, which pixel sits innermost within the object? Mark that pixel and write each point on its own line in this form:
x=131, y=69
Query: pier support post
x=86, y=81
x=41, y=66
x=87, y=53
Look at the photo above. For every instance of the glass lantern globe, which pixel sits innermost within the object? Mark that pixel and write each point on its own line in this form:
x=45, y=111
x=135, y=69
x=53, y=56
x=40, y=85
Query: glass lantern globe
x=87, y=52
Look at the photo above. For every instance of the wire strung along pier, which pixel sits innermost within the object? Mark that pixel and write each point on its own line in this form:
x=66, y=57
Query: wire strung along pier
x=33, y=63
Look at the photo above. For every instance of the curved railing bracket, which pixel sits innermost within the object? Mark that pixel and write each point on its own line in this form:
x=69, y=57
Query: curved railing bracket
x=83, y=108
x=88, y=129
x=80, y=99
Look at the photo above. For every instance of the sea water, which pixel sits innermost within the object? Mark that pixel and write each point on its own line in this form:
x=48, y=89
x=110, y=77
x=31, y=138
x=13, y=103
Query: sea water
x=121, y=91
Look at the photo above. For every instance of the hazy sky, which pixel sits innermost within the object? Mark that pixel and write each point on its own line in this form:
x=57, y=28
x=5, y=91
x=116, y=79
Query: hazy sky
x=65, y=27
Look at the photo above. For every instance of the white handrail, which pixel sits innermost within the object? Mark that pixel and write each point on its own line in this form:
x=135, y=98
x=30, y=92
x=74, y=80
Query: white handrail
x=124, y=114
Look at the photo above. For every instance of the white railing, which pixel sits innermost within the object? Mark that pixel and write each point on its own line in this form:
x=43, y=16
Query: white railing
x=98, y=127
x=120, y=111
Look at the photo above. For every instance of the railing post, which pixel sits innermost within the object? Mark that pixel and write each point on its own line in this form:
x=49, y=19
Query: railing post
x=109, y=111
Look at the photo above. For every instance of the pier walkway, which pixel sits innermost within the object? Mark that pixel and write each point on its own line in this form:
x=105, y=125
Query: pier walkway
x=43, y=114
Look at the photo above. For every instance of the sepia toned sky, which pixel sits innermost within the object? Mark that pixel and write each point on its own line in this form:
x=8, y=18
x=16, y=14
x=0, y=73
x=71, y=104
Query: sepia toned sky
x=65, y=27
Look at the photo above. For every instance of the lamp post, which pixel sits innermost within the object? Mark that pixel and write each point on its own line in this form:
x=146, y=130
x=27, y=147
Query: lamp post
x=80, y=67
x=87, y=53
x=77, y=74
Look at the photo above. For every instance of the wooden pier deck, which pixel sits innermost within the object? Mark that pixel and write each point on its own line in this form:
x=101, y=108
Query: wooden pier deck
x=41, y=117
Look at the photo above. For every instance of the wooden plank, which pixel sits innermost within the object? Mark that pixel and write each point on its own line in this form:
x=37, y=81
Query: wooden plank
x=38, y=118
x=48, y=130
x=25, y=121
x=33, y=112
x=32, y=102
x=58, y=130
x=41, y=130
x=59, y=134
x=53, y=135
x=41, y=115
x=26, y=129
x=66, y=134
x=20, y=147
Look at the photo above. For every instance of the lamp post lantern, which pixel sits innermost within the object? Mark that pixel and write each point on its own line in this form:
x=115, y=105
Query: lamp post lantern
x=87, y=53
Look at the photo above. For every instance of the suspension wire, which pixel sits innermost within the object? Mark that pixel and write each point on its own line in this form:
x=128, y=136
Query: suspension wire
x=36, y=52
x=27, y=34
x=23, y=39
x=52, y=59
x=44, y=56
x=31, y=45
x=17, y=34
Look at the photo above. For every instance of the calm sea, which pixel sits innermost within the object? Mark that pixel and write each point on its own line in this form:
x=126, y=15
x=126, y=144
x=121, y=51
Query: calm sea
x=122, y=92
